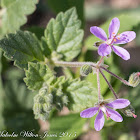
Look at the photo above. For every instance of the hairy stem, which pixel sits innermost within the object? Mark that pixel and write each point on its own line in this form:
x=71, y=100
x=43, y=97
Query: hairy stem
x=116, y=76
x=98, y=84
x=73, y=64
x=101, y=60
x=110, y=87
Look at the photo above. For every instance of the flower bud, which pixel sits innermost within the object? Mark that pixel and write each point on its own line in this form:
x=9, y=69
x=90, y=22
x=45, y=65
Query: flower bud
x=98, y=43
x=134, y=79
x=85, y=70
x=42, y=104
x=129, y=111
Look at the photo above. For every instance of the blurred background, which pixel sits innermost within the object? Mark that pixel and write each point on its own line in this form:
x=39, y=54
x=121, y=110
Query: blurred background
x=16, y=100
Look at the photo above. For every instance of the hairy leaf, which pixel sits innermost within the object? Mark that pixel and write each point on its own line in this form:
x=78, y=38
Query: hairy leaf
x=37, y=74
x=66, y=127
x=21, y=47
x=81, y=95
x=14, y=14
x=63, y=34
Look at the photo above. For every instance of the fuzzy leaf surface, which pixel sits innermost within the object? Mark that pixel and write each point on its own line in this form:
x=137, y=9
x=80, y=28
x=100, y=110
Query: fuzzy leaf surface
x=14, y=14
x=37, y=74
x=21, y=47
x=64, y=36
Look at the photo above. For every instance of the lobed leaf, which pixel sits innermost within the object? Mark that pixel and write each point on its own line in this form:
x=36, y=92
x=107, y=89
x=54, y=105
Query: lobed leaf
x=21, y=47
x=38, y=74
x=63, y=34
x=14, y=14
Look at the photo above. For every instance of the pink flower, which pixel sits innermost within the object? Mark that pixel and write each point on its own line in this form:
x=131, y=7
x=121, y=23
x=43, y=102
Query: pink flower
x=104, y=107
x=105, y=48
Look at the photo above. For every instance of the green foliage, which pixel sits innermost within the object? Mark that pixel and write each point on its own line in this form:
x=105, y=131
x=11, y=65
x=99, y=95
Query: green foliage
x=64, y=5
x=132, y=19
x=64, y=36
x=14, y=14
x=17, y=97
x=83, y=95
x=1, y=95
x=37, y=74
x=21, y=47
x=93, y=79
x=66, y=127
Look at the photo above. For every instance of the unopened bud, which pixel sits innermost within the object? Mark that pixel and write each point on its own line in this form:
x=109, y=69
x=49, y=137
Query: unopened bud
x=85, y=70
x=98, y=43
x=42, y=104
x=134, y=79
x=129, y=111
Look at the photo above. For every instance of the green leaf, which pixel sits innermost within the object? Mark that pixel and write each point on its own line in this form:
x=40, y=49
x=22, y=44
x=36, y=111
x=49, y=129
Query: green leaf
x=64, y=36
x=131, y=18
x=64, y=5
x=38, y=74
x=17, y=97
x=1, y=96
x=14, y=14
x=93, y=80
x=38, y=31
x=81, y=95
x=21, y=47
x=66, y=127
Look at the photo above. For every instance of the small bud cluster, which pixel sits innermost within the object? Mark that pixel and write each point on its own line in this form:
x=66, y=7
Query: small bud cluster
x=42, y=104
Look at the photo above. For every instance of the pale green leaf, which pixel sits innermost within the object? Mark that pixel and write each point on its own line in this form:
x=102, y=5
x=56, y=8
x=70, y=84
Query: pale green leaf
x=64, y=36
x=21, y=47
x=14, y=14
x=131, y=18
x=81, y=95
x=66, y=127
x=37, y=74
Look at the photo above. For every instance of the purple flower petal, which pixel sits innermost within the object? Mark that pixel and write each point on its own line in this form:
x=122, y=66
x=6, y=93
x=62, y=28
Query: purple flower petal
x=114, y=115
x=125, y=37
x=98, y=32
x=104, y=50
x=123, y=53
x=99, y=121
x=113, y=27
x=88, y=113
x=119, y=103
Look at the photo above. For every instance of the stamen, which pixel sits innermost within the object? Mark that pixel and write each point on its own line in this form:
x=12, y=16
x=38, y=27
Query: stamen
x=135, y=116
x=118, y=38
x=114, y=40
x=107, y=115
x=113, y=33
x=118, y=34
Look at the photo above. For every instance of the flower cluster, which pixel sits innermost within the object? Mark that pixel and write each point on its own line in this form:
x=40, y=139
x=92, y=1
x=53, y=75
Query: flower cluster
x=104, y=48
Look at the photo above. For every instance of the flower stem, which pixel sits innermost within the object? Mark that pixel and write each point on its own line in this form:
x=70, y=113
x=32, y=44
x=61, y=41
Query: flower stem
x=110, y=87
x=98, y=84
x=101, y=60
x=73, y=64
x=116, y=76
